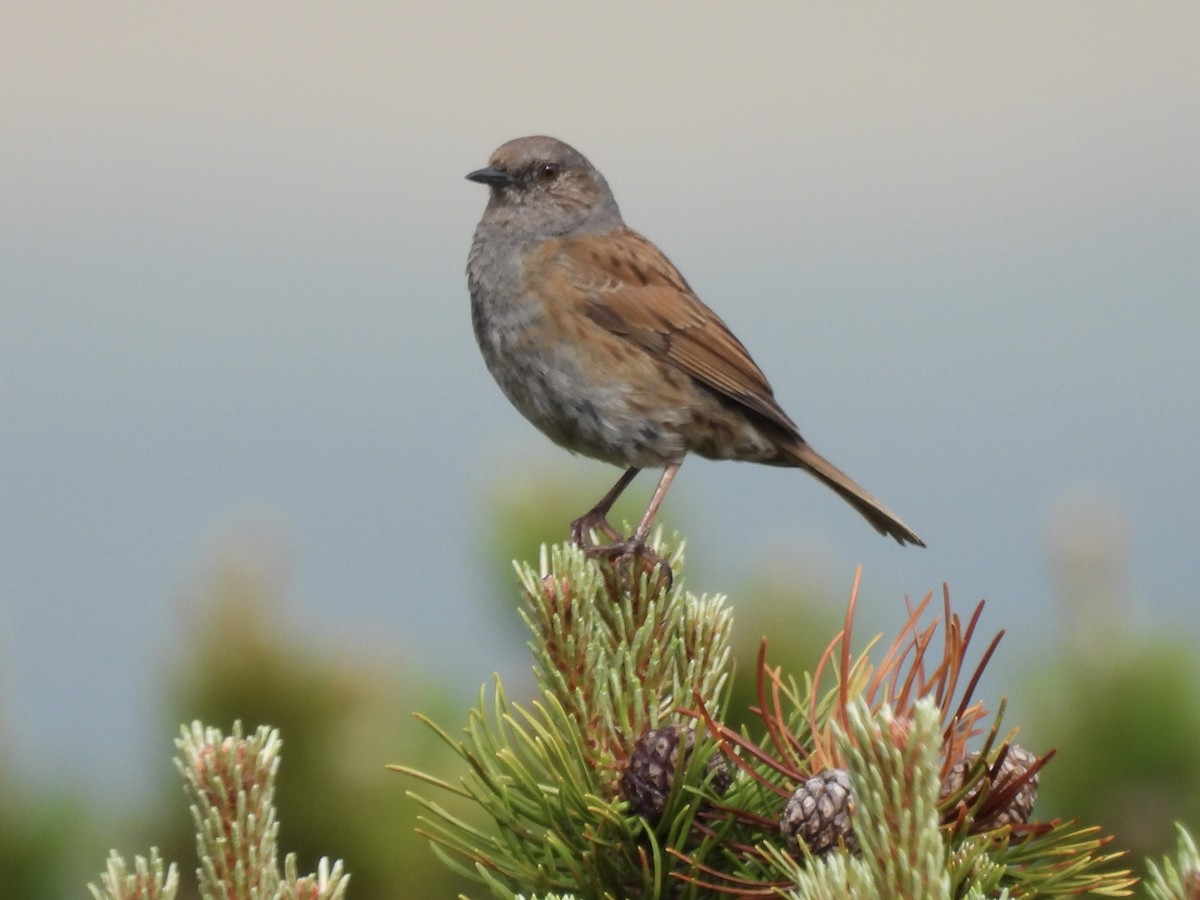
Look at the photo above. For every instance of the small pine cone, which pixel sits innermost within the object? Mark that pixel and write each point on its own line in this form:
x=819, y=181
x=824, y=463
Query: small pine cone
x=650, y=771
x=1019, y=809
x=819, y=813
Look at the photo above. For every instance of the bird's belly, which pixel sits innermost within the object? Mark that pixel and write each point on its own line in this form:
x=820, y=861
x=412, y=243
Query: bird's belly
x=587, y=397
x=601, y=395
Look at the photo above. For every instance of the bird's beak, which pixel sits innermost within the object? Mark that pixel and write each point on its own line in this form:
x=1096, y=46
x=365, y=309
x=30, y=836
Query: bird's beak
x=492, y=175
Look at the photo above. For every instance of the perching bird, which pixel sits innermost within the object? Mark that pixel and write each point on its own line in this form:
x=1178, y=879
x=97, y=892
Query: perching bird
x=597, y=339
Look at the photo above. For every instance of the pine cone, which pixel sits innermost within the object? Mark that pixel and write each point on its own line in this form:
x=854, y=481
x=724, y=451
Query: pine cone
x=650, y=772
x=1018, y=810
x=819, y=813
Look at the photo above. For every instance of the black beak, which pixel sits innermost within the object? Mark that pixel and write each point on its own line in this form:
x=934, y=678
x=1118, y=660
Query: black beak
x=492, y=176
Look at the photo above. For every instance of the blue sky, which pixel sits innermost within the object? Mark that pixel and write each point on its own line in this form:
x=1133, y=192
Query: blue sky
x=960, y=240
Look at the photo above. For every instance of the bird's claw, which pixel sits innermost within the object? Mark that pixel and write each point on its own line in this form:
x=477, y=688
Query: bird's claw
x=582, y=528
x=629, y=550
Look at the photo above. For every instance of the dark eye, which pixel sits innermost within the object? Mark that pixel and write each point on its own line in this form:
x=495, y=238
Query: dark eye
x=547, y=172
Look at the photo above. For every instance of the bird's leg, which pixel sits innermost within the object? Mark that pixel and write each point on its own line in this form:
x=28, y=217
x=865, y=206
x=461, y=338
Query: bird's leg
x=597, y=516
x=643, y=529
x=635, y=544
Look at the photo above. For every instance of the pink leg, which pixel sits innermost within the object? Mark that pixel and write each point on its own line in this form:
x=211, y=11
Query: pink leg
x=597, y=516
x=635, y=544
x=636, y=541
x=643, y=529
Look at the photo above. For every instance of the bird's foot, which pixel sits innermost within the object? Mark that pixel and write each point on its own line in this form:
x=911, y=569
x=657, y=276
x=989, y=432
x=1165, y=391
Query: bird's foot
x=639, y=558
x=593, y=520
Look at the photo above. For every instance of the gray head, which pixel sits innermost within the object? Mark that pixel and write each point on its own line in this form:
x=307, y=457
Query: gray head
x=541, y=187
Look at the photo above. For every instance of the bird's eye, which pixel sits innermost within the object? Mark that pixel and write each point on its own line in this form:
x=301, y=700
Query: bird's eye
x=547, y=172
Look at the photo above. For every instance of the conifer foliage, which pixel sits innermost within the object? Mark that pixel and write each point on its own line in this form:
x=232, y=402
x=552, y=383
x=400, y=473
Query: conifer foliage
x=870, y=775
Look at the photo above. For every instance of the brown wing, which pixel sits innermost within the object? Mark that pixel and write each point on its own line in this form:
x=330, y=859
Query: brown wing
x=632, y=290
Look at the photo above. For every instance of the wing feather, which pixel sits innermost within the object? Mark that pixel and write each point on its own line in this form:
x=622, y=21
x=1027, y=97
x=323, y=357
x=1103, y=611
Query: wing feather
x=632, y=290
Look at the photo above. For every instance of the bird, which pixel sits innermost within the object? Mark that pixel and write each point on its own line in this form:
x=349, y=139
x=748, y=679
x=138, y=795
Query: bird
x=599, y=341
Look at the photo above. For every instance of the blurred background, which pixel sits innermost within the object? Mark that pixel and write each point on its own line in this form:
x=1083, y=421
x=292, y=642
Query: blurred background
x=251, y=464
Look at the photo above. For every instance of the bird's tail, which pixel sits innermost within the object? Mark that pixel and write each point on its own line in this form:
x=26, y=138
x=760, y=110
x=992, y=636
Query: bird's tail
x=871, y=509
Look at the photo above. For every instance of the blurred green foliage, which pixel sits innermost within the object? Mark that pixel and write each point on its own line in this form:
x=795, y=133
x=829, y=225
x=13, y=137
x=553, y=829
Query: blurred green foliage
x=1119, y=696
x=1122, y=707
x=40, y=843
x=343, y=716
x=1128, y=738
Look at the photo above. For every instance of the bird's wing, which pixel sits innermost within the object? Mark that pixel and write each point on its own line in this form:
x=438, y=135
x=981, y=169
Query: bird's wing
x=632, y=290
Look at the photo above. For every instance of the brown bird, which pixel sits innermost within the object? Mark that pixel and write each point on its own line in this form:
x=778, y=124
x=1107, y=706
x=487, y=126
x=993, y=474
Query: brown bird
x=598, y=340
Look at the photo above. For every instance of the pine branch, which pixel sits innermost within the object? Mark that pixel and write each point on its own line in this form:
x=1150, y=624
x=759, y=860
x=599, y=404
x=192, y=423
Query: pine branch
x=147, y=881
x=895, y=768
x=231, y=783
x=615, y=662
x=1179, y=880
x=621, y=779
